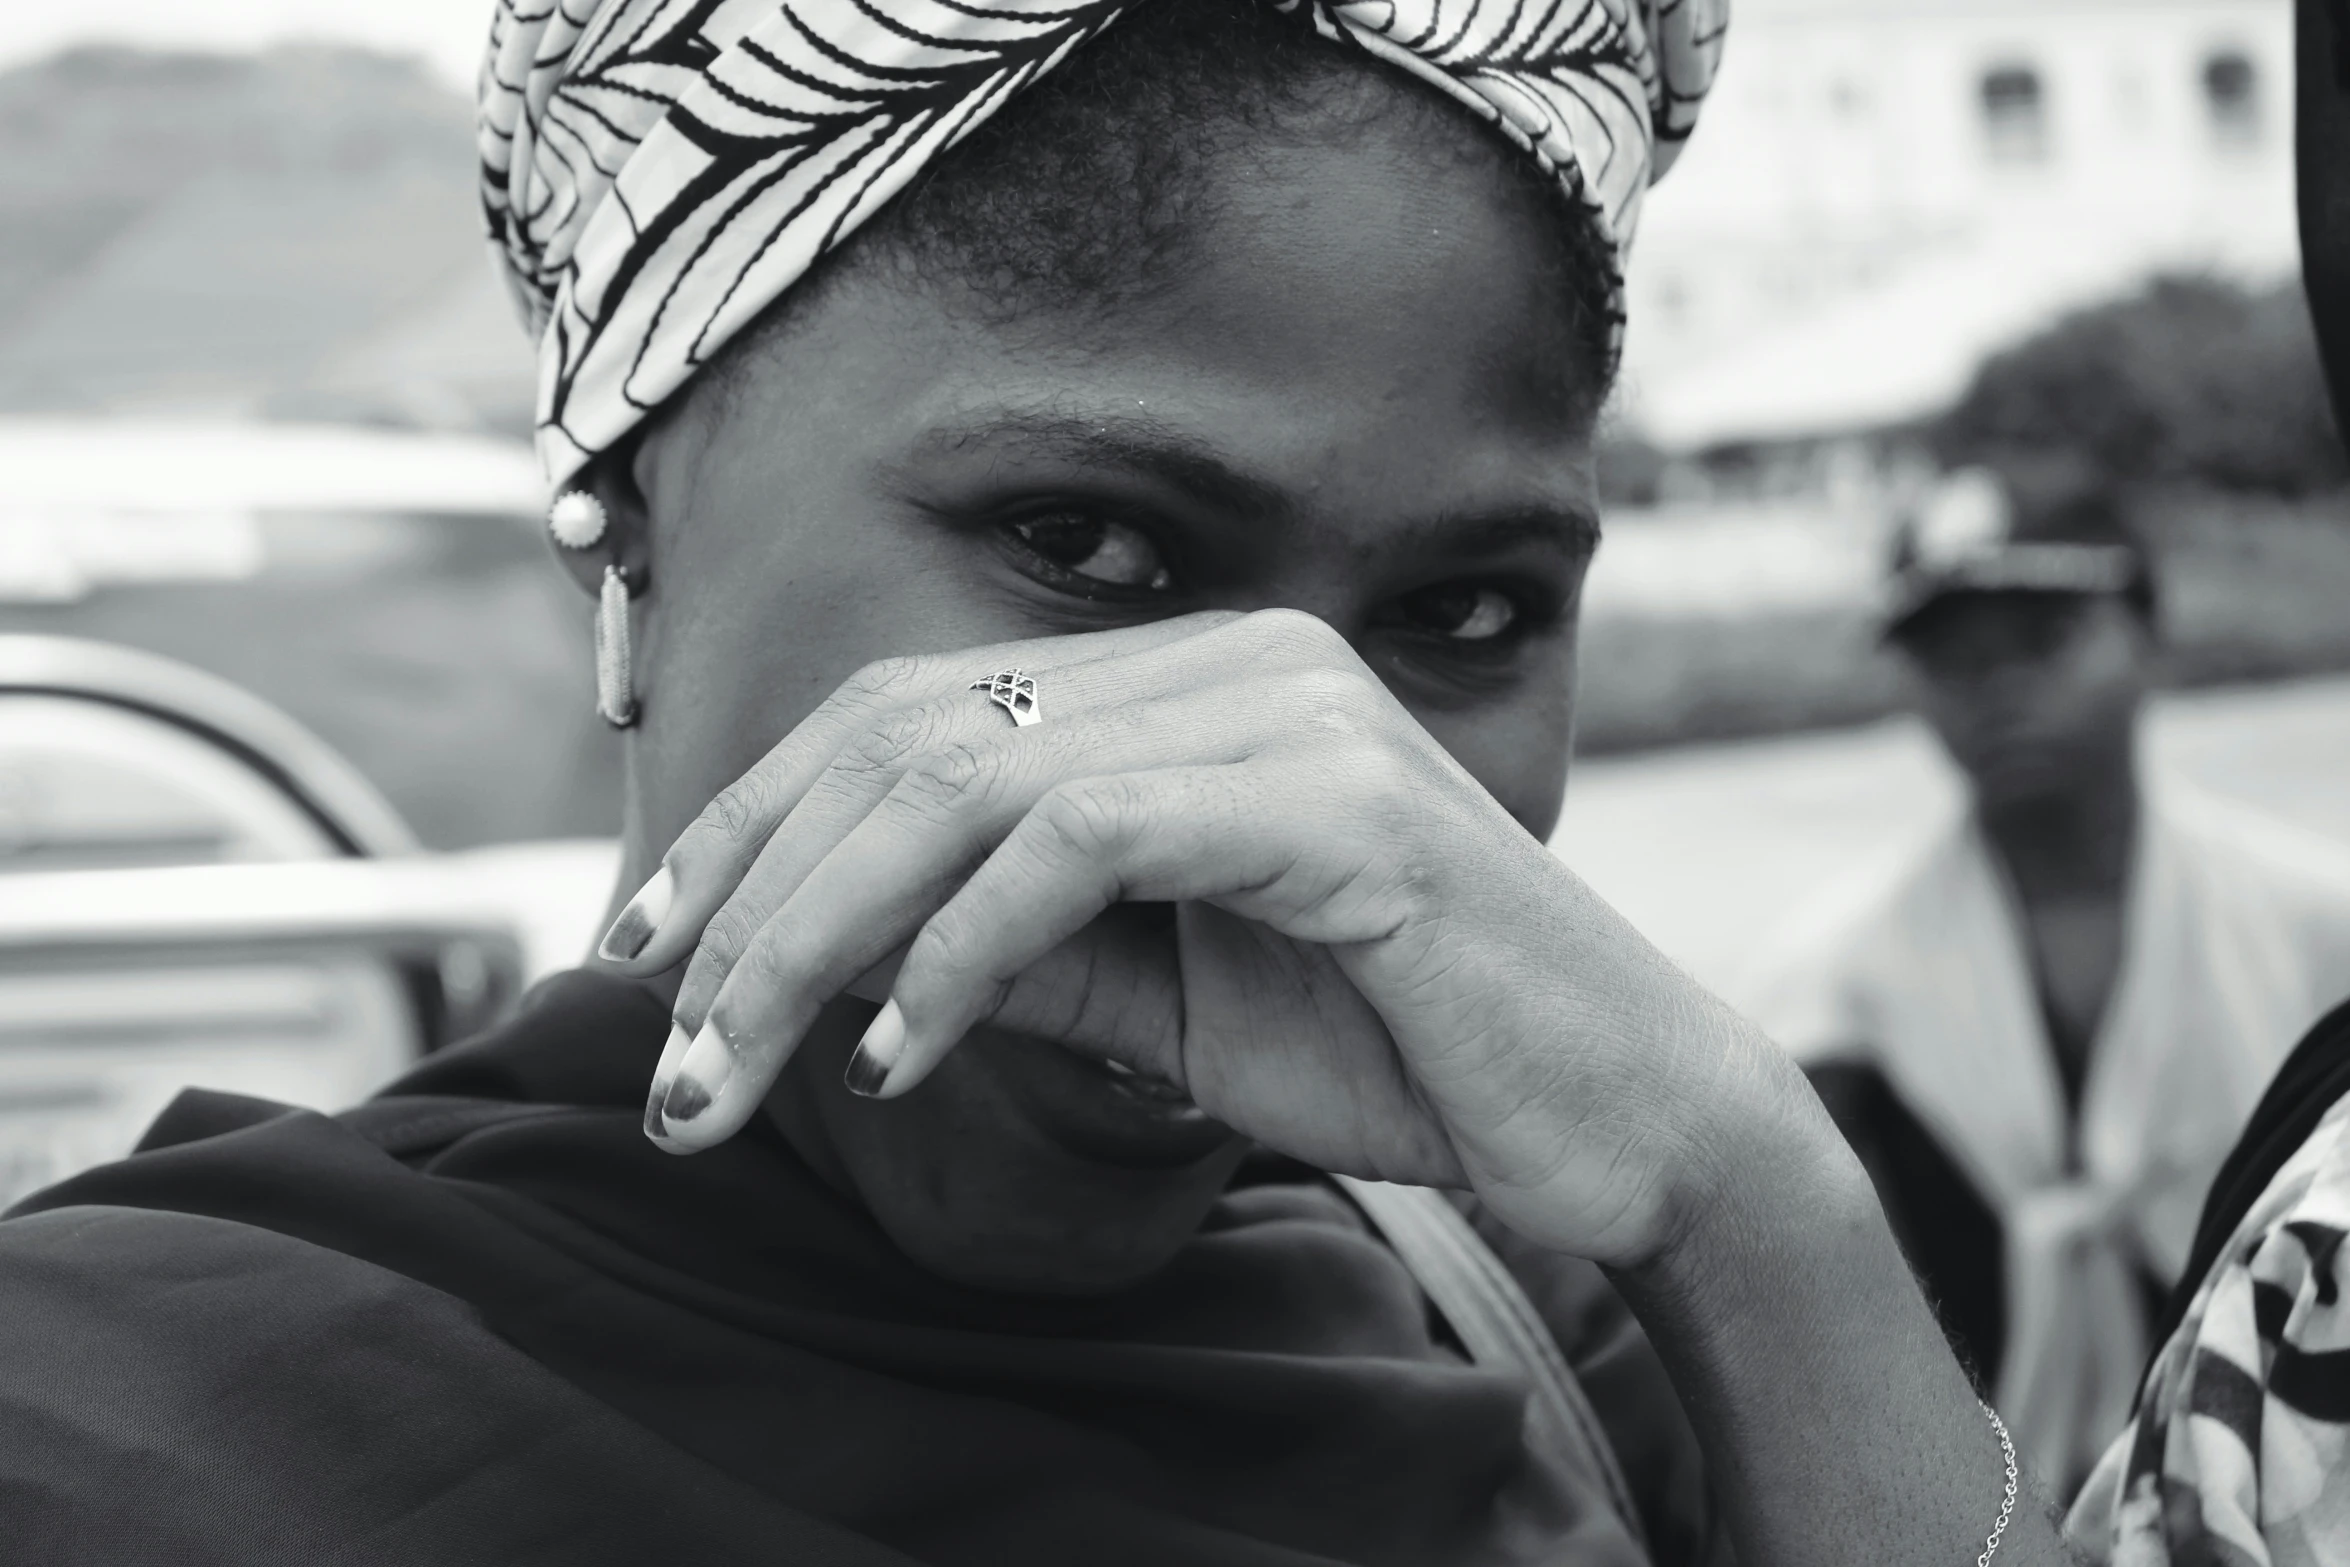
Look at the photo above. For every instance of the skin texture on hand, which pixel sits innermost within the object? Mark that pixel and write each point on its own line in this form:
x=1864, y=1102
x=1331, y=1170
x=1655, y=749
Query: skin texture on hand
x=1376, y=969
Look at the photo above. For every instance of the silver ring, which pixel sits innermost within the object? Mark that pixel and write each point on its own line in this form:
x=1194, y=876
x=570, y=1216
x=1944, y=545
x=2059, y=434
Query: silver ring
x=1014, y=692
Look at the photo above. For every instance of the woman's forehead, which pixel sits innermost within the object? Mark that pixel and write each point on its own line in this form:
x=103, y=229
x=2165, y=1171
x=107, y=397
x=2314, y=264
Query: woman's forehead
x=1348, y=330
x=1370, y=256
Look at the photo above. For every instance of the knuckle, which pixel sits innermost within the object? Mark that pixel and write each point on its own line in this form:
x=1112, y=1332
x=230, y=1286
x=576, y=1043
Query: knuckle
x=1326, y=690
x=949, y=944
x=773, y=959
x=885, y=679
x=1385, y=776
x=1405, y=889
x=1091, y=818
x=729, y=933
x=1299, y=634
x=953, y=774
x=891, y=739
x=1418, y=882
x=743, y=806
x=1335, y=704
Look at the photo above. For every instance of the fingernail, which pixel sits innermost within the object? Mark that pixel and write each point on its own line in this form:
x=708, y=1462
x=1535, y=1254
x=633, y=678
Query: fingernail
x=640, y=920
x=701, y=1076
x=877, y=1052
x=671, y=1053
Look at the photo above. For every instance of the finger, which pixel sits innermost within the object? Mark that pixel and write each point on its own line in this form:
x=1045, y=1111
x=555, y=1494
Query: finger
x=661, y=923
x=847, y=915
x=707, y=866
x=844, y=789
x=1107, y=717
x=1113, y=990
x=1215, y=834
x=702, y=869
x=860, y=904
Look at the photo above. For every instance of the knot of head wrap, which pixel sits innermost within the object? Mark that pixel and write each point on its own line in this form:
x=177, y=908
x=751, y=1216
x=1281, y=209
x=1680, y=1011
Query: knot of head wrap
x=656, y=172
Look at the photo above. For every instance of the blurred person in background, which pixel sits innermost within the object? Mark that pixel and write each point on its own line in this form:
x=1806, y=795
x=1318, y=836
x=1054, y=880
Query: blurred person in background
x=2045, y=1027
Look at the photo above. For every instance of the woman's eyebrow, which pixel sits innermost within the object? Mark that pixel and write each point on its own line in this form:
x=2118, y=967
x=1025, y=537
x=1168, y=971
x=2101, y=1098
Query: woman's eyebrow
x=1136, y=443
x=1142, y=443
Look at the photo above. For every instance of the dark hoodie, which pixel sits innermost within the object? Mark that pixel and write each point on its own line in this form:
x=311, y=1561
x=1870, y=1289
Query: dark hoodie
x=482, y=1319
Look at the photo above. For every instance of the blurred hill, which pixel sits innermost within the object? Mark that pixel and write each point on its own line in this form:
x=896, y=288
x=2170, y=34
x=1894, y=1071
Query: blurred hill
x=291, y=234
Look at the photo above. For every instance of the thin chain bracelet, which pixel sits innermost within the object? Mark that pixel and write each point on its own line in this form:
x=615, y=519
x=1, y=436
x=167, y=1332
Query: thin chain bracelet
x=2007, y=1502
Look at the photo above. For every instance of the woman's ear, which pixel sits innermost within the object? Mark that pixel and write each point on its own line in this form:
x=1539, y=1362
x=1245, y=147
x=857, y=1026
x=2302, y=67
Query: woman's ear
x=625, y=540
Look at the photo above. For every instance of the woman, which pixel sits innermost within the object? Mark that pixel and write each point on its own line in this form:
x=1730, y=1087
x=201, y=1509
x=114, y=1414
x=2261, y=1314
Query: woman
x=1154, y=530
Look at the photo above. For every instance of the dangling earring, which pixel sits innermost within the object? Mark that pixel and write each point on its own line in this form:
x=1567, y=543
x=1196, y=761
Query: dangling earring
x=578, y=521
x=615, y=688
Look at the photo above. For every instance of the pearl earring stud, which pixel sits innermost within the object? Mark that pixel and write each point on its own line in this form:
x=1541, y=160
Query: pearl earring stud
x=577, y=520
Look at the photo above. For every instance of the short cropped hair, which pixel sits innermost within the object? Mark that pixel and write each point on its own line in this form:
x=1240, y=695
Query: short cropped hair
x=1085, y=189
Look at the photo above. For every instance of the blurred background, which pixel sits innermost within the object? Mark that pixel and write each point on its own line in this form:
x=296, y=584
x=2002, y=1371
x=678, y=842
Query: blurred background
x=263, y=412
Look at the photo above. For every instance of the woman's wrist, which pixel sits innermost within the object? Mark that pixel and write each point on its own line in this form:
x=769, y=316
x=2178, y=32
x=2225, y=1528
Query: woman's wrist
x=1766, y=1182
x=1720, y=1137
x=1838, y=1427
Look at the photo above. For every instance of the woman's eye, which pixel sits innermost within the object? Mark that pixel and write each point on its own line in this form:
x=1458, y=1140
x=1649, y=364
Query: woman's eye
x=1114, y=553
x=1462, y=612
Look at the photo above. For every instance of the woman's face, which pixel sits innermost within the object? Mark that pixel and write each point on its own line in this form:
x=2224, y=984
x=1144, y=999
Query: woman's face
x=1359, y=401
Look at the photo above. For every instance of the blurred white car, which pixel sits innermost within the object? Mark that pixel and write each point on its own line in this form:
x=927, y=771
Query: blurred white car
x=194, y=888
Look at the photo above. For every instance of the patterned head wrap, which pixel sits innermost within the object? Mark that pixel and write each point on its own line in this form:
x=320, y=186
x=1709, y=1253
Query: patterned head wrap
x=656, y=172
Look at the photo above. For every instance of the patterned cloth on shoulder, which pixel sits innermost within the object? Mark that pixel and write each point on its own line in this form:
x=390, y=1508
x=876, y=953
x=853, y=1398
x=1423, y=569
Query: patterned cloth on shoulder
x=2236, y=1455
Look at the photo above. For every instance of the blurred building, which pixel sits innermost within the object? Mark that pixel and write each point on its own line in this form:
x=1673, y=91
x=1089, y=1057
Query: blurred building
x=1886, y=190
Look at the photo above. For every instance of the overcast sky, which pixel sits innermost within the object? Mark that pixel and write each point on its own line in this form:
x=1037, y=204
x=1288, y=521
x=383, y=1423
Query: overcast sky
x=449, y=33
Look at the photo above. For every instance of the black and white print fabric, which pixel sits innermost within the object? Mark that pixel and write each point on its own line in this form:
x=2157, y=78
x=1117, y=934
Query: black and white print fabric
x=2239, y=1455
x=656, y=172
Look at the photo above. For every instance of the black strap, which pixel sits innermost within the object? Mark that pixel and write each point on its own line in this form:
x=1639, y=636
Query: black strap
x=1498, y=1325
